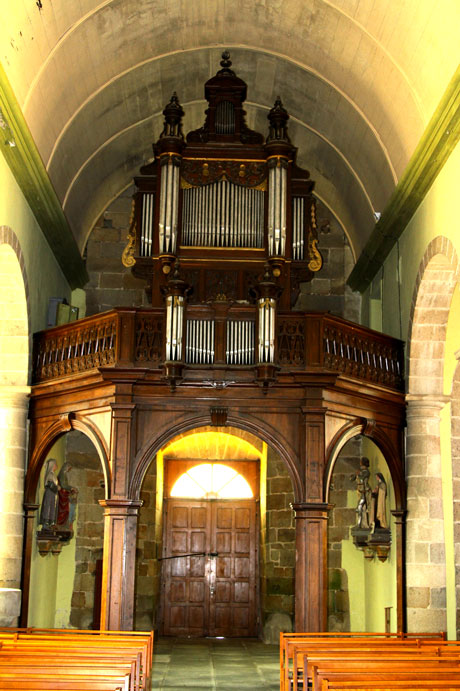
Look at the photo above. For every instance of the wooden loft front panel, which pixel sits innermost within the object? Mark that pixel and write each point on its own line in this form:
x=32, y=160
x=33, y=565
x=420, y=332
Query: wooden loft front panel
x=104, y=375
x=223, y=231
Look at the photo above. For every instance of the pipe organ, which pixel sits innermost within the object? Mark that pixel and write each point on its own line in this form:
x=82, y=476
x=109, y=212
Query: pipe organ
x=223, y=215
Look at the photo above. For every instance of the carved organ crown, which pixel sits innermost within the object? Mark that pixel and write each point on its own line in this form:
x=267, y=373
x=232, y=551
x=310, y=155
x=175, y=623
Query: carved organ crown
x=234, y=212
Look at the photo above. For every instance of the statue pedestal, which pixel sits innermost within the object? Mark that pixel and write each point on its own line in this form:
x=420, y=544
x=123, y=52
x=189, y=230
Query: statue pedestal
x=10, y=606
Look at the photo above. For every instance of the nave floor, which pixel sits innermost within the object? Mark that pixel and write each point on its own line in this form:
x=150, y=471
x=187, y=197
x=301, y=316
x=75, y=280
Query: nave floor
x=209, y=663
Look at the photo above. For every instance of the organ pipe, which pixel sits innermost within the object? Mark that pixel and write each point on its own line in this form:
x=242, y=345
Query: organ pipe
x=169, y=203
x=266, y=335
x=277, y=200
x=223, y=214
x=174, y=327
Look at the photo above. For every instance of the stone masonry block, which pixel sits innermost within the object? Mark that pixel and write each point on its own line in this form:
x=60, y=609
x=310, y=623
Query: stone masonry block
x=418, y=597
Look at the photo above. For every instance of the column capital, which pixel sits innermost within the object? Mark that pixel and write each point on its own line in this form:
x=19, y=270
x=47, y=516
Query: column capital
x=15, y=396
x=121, y=507
x=312, y=509
x=425, y=405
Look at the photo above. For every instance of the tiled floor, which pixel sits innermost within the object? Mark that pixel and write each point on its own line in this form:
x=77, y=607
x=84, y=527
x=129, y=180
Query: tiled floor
x=209, y=663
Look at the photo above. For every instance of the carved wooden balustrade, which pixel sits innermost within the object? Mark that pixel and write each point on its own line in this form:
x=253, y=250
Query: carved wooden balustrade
x=218, y=335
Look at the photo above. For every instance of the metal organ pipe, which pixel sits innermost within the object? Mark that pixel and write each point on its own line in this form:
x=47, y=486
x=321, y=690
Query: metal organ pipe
x=174, y=327
x=200, y=342
x=277, y=199
x=240, y=342
x=169, y=204
x=267, y=307
x=147, y=224
x=298, y=228
x=223, y=214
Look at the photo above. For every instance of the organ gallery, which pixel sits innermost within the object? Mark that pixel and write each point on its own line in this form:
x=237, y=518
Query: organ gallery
x=223, y=232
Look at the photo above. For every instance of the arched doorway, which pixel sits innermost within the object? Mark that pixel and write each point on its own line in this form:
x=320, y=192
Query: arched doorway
x=216, y=537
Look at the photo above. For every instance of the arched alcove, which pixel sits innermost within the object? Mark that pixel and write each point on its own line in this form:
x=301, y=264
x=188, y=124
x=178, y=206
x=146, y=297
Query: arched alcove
x=362, y=561
x=67, y=549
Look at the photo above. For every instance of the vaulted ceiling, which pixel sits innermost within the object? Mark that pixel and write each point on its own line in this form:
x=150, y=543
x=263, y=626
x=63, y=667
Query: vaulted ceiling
x=360, y=79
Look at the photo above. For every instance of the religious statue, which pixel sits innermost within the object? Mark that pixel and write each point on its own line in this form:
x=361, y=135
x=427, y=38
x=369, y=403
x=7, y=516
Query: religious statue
x=379, y=497
x=361, y=477
x=49, y=507
x=67, y=502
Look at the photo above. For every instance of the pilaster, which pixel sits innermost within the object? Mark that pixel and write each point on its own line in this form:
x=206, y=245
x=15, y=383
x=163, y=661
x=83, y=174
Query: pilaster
x=425, y=560
x=119, y=566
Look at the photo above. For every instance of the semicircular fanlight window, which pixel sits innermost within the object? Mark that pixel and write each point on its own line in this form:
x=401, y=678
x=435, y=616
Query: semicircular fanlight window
x=212, y=481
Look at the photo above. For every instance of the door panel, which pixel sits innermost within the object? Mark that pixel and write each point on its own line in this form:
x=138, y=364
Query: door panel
x=210, y=595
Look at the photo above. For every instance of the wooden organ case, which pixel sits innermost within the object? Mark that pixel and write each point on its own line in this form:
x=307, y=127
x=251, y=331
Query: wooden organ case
x=223, y=231
x=225, y=219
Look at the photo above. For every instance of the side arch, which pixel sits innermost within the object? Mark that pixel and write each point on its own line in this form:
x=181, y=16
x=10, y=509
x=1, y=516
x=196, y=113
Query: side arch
x=426, y=458
x=66, y=423
x=381, y=440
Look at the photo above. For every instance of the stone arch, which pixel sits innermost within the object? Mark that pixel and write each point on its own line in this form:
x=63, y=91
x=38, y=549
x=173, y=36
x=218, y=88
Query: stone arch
x=455, y=445
x=14, y=377
x=426, y=560
x=16, y=303
x=265, y=432
x=438, y=273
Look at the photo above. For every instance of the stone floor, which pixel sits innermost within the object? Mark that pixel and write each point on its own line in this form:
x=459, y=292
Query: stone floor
x=211, y=663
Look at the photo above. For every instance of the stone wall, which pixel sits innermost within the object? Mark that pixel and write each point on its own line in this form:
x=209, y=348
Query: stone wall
x=278, y=571
x=341, y=519
x=110, y=283
x=87, y=476
x=328, y=292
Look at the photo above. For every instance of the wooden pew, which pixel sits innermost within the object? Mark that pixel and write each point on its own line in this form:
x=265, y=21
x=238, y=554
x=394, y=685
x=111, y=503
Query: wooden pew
x=142, y=640
x=65, y=658
x=288, y=640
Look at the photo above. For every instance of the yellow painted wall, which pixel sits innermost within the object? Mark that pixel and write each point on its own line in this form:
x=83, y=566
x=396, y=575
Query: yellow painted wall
x=437, y=215
x=44, y=276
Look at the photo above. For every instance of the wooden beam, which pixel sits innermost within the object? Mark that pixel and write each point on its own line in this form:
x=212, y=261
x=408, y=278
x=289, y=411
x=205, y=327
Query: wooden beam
x=433, y=150
x=23, y=158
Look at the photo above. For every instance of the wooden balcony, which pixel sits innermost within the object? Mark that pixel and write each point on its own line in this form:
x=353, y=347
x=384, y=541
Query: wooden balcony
x=312, y=342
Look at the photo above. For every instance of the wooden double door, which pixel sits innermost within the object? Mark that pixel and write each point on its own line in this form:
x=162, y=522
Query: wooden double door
x=209, y=575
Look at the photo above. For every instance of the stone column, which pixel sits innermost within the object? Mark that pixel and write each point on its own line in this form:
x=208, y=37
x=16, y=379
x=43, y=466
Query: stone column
x=13, y=417
x=425, y=548
x=119, y=566
x=311, y=566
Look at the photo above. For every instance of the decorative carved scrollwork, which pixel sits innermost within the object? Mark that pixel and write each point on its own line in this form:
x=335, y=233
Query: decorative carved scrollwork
x=315, y=259
x=127, y=257
x=247, y=173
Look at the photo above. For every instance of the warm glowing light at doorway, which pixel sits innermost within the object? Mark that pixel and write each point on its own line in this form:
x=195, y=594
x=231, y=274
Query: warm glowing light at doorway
x=212, y=481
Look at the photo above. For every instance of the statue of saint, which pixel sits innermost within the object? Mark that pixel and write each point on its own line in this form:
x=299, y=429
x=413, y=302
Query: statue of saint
x=364, y=493
x=67, y=503
x=49, y=507
x=379, y=499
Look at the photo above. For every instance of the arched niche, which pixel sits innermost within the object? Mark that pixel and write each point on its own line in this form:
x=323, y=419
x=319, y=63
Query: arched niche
x=271, y=485
x=362, y=564
x=64, y=566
